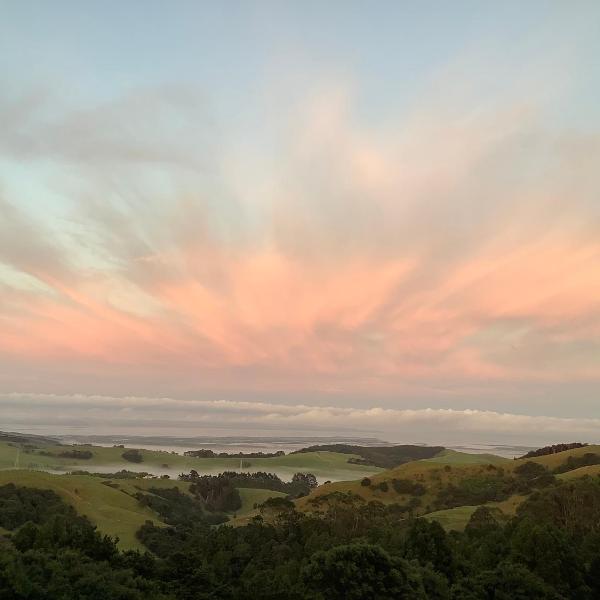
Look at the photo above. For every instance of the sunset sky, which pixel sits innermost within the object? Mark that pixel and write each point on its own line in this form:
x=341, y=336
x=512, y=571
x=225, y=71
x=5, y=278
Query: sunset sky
x=339, y=216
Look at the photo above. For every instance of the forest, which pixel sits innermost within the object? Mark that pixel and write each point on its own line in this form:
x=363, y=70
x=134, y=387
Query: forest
x=351, y=549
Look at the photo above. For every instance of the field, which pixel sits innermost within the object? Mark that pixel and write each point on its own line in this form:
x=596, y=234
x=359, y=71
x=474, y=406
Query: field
x=250, y=497
x=453, y=519
x=112, y=511
x=326, y=466
x=552, y=461
x=453, y=457
x=449, y=467
x=591, y=470
x=117, y=513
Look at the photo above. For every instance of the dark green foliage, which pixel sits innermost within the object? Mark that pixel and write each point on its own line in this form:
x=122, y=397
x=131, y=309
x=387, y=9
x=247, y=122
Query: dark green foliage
x=572, y=506
x=347, y=548
x=176, y=508
x=575, y=462
x=307, y=480
x=217, y=493
x=508, y=581
x=59, y=555
x=383, y=486
x=18, y=505
x=482, y=522
x=530, y=470
x=555, y=449
x=427, y=542
x=122, y=474
x=365, y=482
x=300, y=485
x=475, y=490
x=386, y=457
x=532, y=475
x=79, y=454
x=210, y=454
x=547, y=552
x=277, y=505
x=355, y=572
x=134, y=456
x=406, y=486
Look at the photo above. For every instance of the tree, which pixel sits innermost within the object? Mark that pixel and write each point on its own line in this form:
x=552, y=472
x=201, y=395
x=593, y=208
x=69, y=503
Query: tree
x=134, y=456
x=427, y=542
x=355, y=572
x=306, y=478
x=482, y=521
x=530, y=470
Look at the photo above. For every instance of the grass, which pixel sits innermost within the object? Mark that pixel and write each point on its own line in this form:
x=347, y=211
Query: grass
x=453, y=457
x=590, y=470
x=114, y=513
x=114, y=510
x=132, y=486
x=324, y=465
x=551, y=461
x=453, y=519
x=251, y=496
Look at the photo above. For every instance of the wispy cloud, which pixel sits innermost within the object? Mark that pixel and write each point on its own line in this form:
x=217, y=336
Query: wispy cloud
x=440, y=252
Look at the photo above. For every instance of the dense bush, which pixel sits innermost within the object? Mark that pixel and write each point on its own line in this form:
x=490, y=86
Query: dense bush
x=553, y=449
x=134, y=456
x=18, y=505
x=300, y=485
x=575, y=462
x=386, y=457
x=79, y=454
x=176, y=508
x=349, y=548
x=407, y=486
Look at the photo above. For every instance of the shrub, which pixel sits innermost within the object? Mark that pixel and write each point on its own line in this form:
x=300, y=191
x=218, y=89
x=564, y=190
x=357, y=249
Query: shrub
x=406, y=486
x=80, y=454
x=134, y=456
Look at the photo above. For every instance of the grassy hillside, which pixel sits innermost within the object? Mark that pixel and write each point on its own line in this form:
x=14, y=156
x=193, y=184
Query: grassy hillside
x=453, y=457
x=381, y=456
x=114, y=512
x=453, y=519
x=324, y=465
x=551, y=461
x=590, y=470
x=112, y=508
x=251, y=496
x=469, y=473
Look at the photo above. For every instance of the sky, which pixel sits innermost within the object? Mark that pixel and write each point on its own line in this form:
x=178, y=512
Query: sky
x=338, y=217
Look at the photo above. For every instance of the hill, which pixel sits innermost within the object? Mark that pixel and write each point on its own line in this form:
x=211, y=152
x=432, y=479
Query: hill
x=112, y=511
x=26, y=438
x=385, y=457
x=54, y=457
x=450, y=486
x=521, y=527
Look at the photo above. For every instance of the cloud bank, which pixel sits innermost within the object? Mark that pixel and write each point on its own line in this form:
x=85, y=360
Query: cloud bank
x=79, y=414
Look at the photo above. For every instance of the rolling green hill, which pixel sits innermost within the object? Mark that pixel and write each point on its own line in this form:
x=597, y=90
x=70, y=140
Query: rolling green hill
x=324, y=465
x=113, y=508
x=463, y=474
x=112, y=511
